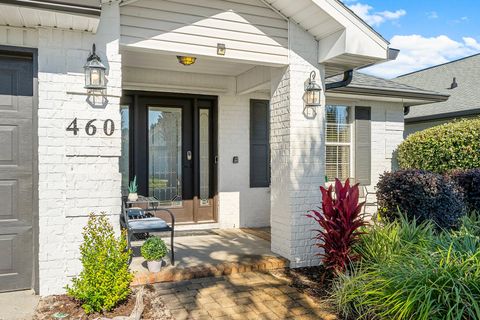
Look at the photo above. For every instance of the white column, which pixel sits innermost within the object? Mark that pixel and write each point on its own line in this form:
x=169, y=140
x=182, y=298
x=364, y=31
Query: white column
x=298, y=147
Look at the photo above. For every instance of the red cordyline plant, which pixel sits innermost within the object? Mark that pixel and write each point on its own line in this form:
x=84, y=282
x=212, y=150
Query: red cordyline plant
x=339, y=219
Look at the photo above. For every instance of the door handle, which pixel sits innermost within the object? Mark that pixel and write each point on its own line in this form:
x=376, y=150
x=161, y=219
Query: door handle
x=189, y=155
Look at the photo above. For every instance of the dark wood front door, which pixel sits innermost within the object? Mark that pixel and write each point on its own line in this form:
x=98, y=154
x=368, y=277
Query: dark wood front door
x=174, y=154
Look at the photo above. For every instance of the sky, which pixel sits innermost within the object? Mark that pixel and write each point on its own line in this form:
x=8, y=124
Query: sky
x=427, y=32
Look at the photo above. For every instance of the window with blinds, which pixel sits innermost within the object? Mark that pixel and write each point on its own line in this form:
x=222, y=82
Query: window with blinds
x=338, y=142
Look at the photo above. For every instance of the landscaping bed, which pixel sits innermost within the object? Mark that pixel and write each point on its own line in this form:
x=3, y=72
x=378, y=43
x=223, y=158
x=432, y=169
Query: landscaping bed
x=65, y=307
x=309, y=280
x=312, y=281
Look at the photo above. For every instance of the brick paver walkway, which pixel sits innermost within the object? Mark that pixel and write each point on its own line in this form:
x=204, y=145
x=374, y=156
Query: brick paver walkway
x=250, y=295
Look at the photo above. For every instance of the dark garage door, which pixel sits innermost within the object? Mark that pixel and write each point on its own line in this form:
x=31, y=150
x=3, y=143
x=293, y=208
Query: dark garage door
x=16, y=172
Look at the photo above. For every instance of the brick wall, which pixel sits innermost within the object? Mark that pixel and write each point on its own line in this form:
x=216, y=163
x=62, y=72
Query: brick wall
x=78, y=174
x=239, y=205
x=297, y=153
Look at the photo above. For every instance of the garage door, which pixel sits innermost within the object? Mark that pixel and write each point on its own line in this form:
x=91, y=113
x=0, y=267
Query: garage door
x=16, y=172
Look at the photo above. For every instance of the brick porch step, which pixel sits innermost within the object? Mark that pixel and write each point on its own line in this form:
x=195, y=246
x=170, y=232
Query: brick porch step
x=174, y=274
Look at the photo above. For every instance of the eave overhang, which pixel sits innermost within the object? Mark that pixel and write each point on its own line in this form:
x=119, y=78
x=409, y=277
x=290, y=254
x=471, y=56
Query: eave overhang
x=346, y=42
x=68, y=14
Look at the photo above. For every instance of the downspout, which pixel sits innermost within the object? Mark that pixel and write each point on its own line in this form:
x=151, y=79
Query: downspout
x=347, y=78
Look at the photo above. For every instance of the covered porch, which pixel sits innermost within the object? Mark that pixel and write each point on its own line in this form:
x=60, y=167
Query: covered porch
x=214, y=118
x=215, y=252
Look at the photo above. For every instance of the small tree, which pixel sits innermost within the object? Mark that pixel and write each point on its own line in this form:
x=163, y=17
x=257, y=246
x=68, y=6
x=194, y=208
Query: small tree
x=105, y=278
x=340, y=220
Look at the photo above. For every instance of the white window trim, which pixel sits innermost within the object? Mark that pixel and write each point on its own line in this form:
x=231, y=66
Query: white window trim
x=351, y=123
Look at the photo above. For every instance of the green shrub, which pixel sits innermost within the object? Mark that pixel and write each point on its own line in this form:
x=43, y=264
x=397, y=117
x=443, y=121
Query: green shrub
x=454, y=145
x=154, y=249
x=408, y=271
x=421, y=195
x=469, y=183
x=105, y=278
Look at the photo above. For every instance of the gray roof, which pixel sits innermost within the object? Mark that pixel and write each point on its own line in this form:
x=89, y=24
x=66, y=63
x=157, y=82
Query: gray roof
x=367, y=84
x=464, y=100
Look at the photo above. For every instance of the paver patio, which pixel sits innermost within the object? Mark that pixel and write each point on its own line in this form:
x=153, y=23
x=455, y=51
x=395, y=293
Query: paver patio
x=251, y=295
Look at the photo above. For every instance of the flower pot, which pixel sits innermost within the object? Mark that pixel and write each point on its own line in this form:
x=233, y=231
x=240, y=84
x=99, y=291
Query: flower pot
x=154, y=266
x=132, y=197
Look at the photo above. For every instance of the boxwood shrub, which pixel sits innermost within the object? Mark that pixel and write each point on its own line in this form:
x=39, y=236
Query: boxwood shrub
x=469, y=183
x=454, y=145
x=423, y=195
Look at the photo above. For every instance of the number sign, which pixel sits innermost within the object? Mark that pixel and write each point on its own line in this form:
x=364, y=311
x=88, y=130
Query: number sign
x=91, y=128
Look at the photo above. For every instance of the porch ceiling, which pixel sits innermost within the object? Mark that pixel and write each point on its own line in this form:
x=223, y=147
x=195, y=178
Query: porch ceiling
x=203, y=65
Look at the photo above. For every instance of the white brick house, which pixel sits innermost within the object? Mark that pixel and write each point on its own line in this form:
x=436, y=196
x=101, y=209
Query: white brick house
x=226, y=142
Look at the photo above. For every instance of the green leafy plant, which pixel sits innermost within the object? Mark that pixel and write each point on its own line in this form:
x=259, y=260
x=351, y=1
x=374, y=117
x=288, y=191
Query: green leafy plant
x=154, y=249
x=339, y=219
x=421, y=195
x=105, y=278
x=133, y=187
x=455, y=145
x=410, y=271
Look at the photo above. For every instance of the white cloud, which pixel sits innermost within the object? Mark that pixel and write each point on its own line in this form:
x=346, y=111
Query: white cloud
x=418, y=52
x=373, y=18
x=432, y=15
x=471, y=42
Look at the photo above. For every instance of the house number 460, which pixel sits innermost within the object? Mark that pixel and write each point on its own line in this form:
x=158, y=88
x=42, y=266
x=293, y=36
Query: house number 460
x=91, y=128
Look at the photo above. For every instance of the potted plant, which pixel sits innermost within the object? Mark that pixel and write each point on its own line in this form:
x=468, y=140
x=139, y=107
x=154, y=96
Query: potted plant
x=132, y=190
x=153, y=250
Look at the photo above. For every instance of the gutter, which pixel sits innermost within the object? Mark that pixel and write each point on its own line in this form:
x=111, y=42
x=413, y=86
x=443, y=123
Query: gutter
x=393, y=93
x=56, y=6
x=347, y=78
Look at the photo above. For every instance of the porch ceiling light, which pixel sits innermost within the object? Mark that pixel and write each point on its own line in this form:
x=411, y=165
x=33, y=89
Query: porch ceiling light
x=312, y=91
x=186, y=60
x=94, y=72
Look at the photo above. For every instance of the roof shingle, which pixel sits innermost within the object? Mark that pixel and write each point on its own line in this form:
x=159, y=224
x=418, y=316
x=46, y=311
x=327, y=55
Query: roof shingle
x=465, y=97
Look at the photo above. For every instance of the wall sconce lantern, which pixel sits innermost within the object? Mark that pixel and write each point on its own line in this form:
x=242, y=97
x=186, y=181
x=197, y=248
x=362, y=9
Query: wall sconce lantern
x=94, y=72
x=312, y=91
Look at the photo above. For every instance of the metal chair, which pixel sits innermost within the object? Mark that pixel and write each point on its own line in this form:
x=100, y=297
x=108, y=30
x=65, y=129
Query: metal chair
x=138, y=220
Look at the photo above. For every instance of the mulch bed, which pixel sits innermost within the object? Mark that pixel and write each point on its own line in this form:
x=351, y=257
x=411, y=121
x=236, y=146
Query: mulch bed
x=154, y=307
x=312, y=281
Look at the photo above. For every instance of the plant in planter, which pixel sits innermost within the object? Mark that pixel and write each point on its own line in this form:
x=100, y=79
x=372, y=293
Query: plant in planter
x=132, y=190
x=153, y=250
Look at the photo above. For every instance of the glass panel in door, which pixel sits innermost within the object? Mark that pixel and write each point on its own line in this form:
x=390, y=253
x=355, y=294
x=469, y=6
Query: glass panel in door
x=204, y=137
x=165, y=155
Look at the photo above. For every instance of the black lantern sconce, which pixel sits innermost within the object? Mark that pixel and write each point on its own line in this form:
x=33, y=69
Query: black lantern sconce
x=94, y=73
x=312, y=91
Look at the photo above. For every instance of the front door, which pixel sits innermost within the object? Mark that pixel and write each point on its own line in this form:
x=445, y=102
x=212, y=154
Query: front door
x=177, y=164
x=16, y=171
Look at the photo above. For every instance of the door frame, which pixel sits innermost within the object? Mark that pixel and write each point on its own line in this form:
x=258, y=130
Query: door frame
x=33, y=54
x=139, y=153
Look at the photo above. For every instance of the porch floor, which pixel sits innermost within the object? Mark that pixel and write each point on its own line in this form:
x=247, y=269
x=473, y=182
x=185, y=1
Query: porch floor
x=210, y=253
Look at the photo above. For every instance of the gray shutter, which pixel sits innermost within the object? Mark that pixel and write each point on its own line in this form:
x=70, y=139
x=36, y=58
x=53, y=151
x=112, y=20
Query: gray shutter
x=363, y=148
x=259, y=144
